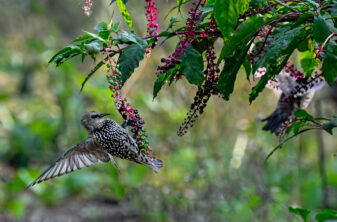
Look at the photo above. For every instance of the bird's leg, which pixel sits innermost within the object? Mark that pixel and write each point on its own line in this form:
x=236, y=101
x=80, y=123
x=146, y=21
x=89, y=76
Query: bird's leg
x=124, y=124
x=114, y=162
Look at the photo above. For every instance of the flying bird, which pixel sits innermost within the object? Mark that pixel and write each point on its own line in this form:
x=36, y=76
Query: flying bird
x=106, y=140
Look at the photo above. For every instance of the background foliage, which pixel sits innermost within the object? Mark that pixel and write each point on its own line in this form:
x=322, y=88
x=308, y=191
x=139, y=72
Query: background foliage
x=216, y=172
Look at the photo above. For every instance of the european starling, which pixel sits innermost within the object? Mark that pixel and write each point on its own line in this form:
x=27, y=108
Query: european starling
x=295, y=95
x=105, y=141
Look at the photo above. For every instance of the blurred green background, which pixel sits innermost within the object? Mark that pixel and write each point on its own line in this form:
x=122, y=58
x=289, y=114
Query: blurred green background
x=214, y=173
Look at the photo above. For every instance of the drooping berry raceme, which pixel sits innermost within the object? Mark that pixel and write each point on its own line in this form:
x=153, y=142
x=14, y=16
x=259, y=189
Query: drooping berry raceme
x=208, y=88
x=189, y=34
x=152, y=25
x=128, y=113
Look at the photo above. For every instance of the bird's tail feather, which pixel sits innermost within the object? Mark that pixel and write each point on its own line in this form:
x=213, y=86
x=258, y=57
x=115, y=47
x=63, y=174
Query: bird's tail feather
x=152, y=163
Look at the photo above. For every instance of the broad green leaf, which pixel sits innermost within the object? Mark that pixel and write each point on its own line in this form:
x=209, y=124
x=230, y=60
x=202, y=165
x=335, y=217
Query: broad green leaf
x=229, y=72
x=210, y=3
x=103, y=30
x=277, y=55
x=86, y=36
x=64, y=54
x=91, y=73
x=95, y=36
x=161, y=80
x=296, y=127
x=125, y=14
x=244, y=33
x=226, y=13
x=308, y=62
x=330, y=125
x=192, y=66
x=329, y=66
x=101, y=26
x=115, y=27
x=326, y=215
x=129, y=38
x=129, y=60
x=322, y=29
x=301, y=113
x=303, y=213
x=248, y=68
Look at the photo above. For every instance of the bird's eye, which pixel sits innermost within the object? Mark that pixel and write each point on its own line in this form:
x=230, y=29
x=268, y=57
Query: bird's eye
x=94, y=116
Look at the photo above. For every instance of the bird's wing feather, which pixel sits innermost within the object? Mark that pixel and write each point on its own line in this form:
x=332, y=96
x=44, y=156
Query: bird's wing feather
x=83, y=154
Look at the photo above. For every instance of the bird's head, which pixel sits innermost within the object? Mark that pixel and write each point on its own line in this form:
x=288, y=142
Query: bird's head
x=92, y=120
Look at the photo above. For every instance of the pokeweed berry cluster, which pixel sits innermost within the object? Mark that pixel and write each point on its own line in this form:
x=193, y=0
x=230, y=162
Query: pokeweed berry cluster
x=264, y=40
x=187, y=37
x=129, y=114
x=204, y=92
x=152, y=25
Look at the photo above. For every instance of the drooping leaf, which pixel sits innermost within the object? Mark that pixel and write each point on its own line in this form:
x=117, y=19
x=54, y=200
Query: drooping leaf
x=329, y=66
x=125, y=14
x=229, y=72
x=129, y=60
x=226, y=13
x=91, y=73
x=301, y=113
x=322, y=28
x=330, y=125
x=309, y=62
x=303, y=213
x=192, y=66
x=248, y=68
x=326, y=215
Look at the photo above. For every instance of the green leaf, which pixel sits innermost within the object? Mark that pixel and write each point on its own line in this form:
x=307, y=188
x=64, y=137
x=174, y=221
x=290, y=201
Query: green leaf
x=115, y=27
x=161, y=80
x=285, y=41
x=103, y=30
x=83, y=37
x=248, y=67
x=125, y=14
x=329, y=66
x=129, y=60
x=301, y=113
x=322, y=28
x=229, y=72
x=303, y=213
x=246, y=31
x=226, y=13
x=95, y=36
x=129, y=38
x=192, y=66
x=309, y=62
x=67, y=52
x=91, y=73
x=326, y=215
x=296, y=127
x=330, y=125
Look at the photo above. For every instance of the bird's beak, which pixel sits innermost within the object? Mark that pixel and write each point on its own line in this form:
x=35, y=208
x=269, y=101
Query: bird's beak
x=103, y=114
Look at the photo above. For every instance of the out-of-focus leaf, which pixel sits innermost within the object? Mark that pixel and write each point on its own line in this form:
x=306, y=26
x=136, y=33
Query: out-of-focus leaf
x=115, y=27
x=301, y=113
x=129, y=60
x=303, y=213
x=322, y=28
x=125, y=14
x=226, y=13
x=229, y=72
x=95, y=36
x=192, y=66
x=330, y=62
x=92, y=72
x=103, y=30
x=326, y=215
x=308, y=62
x=330, y=125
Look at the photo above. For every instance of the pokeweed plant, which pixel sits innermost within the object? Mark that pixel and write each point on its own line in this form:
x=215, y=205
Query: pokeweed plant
x=256, y=34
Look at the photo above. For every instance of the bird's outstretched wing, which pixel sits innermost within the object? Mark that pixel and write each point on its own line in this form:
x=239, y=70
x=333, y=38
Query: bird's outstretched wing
x=83, y=154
